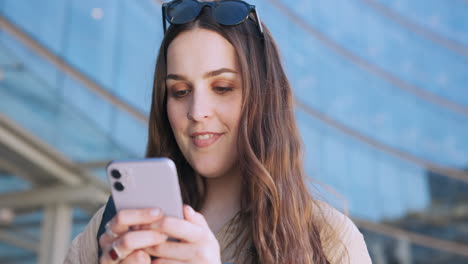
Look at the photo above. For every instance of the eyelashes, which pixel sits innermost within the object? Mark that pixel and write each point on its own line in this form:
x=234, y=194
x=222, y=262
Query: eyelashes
x=180, y=93
x=222, y=89
x=185, y=91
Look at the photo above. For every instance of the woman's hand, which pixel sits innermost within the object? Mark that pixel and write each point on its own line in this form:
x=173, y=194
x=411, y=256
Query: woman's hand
x=197, y=243
x=121, y=244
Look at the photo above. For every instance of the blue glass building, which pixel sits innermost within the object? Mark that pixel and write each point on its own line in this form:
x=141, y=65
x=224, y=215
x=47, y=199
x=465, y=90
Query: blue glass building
x=381, y=92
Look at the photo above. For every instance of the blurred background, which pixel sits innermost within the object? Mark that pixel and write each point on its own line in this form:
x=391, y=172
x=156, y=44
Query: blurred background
x=381, y=99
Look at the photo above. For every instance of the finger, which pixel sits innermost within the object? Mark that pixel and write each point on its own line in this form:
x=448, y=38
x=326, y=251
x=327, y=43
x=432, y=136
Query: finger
x=194, y=217
x=105, y=241
x=167, y=261
x=126, y=218
x=108, y=236
x=137, y=257
x=132, y=241
x=106, y=257
x=179, y=228
x=144, y=227
x=172, y=250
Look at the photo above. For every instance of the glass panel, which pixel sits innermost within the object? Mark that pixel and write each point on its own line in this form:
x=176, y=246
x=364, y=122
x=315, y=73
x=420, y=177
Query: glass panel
x=365, y=102
x=387, y=45
x=385, y=249
x=131, y=133
x=140, y=35
x=100, y=173
x=10, y=255
x=40, y=107
x=12, y=183
x=91, y=38
x=115, y=43
x=382, y=188
x=447, y=19
x=44, y=20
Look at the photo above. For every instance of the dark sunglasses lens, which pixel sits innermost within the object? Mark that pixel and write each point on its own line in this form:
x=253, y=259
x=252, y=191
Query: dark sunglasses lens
x=230, y=13
x=183, y=11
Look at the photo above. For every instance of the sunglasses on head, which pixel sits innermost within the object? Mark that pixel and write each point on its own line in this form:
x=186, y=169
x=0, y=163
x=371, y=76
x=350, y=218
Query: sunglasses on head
x=225, y=12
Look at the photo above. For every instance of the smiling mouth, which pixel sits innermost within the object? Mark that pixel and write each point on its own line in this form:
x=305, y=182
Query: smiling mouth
x=205, y=140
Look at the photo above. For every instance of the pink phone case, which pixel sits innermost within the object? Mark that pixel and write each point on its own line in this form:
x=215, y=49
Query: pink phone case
x=147, y=183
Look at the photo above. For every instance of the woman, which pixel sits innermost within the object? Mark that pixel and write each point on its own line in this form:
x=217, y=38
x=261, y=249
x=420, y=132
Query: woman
x=222, y=109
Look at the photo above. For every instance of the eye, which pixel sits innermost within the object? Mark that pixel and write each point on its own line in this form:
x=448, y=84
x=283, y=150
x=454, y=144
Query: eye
x=180, y=93
x=222, y=89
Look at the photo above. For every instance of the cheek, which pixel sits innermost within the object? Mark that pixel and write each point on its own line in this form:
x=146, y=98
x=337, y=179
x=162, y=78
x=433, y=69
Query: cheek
x=176, y=115
x=231, y=111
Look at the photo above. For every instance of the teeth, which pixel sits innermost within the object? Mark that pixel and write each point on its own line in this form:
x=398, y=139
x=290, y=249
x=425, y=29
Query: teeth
x=206, y=136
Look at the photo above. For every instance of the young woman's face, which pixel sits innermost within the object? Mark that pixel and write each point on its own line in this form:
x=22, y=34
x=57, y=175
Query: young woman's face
x=204, y=97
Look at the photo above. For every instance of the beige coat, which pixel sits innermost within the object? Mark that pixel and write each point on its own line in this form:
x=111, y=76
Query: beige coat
x=347, y=247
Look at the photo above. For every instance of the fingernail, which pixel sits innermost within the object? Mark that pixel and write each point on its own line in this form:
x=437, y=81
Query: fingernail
x=155, y=212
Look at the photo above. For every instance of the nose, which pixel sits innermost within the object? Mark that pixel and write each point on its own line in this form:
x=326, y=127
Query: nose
x=201, y=106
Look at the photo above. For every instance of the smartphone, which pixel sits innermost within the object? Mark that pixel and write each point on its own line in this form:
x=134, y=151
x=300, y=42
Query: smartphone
x=146, y=183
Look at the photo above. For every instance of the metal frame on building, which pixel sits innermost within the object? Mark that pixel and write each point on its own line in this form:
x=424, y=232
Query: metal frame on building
x=58, y=186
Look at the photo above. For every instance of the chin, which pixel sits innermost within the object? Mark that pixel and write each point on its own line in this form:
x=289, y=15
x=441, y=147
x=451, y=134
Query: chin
x=207, y=170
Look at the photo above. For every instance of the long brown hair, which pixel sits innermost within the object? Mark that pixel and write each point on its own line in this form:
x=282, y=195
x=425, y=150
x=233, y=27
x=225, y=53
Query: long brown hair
x=276, y=207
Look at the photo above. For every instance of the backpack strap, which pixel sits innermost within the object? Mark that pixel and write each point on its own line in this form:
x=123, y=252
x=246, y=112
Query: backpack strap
x=109, y=213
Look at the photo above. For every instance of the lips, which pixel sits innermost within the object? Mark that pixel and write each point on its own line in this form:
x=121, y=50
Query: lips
x=205, y=139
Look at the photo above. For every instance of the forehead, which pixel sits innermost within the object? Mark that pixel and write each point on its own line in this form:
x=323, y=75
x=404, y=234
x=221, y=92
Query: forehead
x=195, y=52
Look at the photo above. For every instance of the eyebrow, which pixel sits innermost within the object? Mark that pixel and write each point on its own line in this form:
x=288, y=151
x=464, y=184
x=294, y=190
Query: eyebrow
x=179, y=77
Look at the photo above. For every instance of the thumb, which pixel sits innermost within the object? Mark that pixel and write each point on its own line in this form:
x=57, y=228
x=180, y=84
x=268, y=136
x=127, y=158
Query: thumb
x=194, y=217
